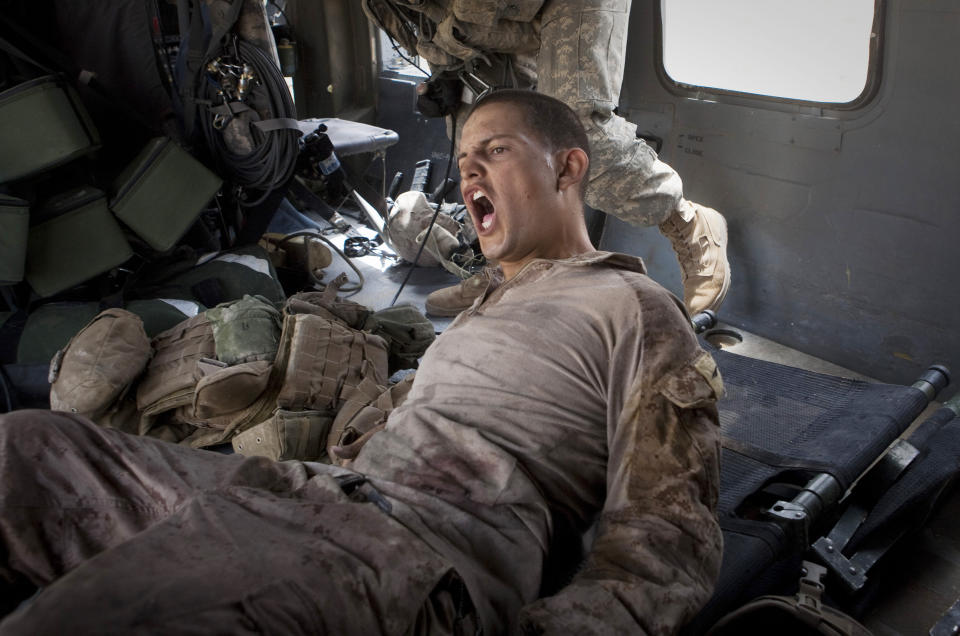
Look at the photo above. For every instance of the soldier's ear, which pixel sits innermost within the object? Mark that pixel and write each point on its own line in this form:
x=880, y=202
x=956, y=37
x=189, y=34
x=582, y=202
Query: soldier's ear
x=571, y=167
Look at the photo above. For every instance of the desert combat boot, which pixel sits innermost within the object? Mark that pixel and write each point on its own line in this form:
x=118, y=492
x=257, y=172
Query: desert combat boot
x=701, y=247
x=450, y=301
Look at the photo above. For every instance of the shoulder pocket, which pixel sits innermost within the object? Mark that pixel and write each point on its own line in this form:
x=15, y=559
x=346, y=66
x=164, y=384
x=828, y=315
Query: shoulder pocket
x=694, y=384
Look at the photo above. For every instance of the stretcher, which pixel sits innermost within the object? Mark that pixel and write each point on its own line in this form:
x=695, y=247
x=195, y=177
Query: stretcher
x=813, y=468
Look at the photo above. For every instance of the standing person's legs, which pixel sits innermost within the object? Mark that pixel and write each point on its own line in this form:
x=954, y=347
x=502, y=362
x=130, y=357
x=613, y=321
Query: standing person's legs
x=582, y=49
x=581, y=62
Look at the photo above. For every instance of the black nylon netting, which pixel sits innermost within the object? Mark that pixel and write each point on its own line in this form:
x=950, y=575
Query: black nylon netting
x=808, y=417
x=826, y=422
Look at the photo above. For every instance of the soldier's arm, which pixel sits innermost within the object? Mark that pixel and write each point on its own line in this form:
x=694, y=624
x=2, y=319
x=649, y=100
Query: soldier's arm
x=658, y=545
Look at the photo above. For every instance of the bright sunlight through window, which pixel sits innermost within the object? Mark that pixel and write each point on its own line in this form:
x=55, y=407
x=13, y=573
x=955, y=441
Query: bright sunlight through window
x=815, y=50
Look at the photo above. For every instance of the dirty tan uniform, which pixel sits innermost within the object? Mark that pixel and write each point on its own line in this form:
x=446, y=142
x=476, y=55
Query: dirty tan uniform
x=573, y=50
x=574, y=394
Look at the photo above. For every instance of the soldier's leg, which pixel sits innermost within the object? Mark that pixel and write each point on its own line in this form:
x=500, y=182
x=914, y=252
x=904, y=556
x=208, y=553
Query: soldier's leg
x=581, y=62
x=69, y=489
x=247, y=560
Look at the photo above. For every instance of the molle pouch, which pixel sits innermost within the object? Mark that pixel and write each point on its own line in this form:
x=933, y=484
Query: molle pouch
x=407, y=332
x=99, y=364
x=287, y=435
x=170, y=381
x=327, y=362
x=80, y=240
x=162, y=192
x=42, y=125
x=14, y=225
x=362, y=416
x=246, y=330
x=229, y=389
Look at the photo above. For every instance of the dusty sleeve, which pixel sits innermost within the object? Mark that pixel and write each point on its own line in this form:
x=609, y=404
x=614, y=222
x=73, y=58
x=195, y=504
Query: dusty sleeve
x=658, y=546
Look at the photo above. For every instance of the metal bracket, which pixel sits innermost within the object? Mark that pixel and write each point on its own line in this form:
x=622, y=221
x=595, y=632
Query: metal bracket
x=798, y=515
x=793, y=519
x=853, y=570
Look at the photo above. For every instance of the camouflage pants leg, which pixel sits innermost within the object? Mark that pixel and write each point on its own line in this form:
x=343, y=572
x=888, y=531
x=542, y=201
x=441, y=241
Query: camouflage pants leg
x=581, y=62
x=132, y=535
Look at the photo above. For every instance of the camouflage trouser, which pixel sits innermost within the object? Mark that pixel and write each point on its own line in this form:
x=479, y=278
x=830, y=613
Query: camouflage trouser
x=130, y=534
x=581, y=62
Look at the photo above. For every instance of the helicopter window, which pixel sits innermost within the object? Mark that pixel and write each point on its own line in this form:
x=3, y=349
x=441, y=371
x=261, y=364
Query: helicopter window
x=812, y=51
x=394, y=59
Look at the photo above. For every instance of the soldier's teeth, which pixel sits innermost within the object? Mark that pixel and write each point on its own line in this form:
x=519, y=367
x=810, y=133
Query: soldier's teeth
x=487, y=222
x=478, y=195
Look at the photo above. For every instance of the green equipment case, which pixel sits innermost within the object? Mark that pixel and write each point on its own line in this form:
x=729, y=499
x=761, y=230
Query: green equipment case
x=14, y=223
x=80, y=240
x=42, y=124
x=162, y=192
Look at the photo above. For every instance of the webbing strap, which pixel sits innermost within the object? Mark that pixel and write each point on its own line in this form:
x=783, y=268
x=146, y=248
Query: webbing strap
x=338, y=353
x=333, y=287
x=278, y=123
x=297, y=379
x=356, y=363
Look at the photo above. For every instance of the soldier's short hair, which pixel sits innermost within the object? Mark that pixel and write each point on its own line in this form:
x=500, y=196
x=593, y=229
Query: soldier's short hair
x=552, y=121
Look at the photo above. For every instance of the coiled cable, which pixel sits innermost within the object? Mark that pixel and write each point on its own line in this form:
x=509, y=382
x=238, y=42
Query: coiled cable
x=232, y=84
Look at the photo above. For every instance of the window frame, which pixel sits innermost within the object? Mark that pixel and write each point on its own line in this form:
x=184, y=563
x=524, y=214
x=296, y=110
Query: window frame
x=869, y=92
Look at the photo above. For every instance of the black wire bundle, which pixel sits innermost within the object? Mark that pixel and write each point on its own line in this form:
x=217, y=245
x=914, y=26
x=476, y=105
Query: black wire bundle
x=271, y=162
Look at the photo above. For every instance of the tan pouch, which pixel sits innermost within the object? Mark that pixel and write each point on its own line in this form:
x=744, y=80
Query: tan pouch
x=327, y=360
x=230, y=389
x=302, y=252
x=362, y=416
x=286, y=435
x=99, y=364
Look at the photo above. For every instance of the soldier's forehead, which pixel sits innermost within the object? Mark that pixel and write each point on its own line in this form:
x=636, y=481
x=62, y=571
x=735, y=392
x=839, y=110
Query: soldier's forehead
x=485, y=125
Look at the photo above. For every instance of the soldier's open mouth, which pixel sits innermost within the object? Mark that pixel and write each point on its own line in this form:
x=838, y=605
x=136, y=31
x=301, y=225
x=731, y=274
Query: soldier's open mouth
x=484, y=211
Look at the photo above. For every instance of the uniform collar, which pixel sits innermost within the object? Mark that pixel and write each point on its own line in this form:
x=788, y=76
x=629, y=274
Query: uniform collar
x=610, y=259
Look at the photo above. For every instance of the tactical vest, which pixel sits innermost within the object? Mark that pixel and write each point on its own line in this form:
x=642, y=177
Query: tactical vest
x=318, y=364
x=282, y=387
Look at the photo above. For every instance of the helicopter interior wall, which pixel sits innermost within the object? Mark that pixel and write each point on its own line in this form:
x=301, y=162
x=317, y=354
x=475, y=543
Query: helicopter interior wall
x=843, y=224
